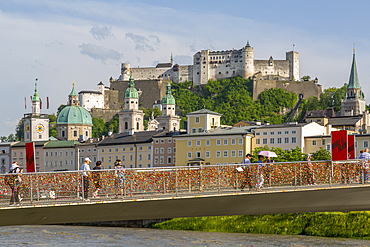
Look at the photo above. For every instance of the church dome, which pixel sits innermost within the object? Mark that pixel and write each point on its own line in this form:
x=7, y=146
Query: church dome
x=131, y=91
x=168, y=98
x=74, y=115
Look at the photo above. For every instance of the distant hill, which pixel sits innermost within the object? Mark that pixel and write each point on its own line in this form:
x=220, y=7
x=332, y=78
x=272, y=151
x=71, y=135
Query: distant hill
x=233, y=98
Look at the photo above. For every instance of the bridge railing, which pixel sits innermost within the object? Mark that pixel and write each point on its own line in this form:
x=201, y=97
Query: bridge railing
x=69, y=186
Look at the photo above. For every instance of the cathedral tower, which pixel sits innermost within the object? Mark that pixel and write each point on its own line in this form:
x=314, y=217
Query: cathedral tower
x=131, y=118
x=168, y=120
x=354, y=103
x=36, y=125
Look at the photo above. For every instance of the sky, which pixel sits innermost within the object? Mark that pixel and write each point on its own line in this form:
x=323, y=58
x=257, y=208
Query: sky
x=81, y=41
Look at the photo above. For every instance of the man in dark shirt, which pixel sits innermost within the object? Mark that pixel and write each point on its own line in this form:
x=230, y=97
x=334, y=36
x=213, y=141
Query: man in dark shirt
x=97, y=175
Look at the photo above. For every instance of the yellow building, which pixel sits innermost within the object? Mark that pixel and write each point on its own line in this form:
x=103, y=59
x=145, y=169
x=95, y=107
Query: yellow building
x=209, y=143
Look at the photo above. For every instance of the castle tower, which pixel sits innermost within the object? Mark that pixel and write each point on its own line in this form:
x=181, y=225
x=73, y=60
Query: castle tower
x=168, y=120
x=36, y=125
x=131, y=118
x=248, y=57
x=293, y=58
x=74, y=122
x=125, y=72
x=354, y=103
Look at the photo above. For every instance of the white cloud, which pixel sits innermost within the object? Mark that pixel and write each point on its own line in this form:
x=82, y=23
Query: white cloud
x=142, y=43
x=99, y=52
x=100, y=33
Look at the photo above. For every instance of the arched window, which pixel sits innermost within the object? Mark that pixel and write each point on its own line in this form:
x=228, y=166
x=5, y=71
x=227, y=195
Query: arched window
x=137, y=125
x=87, y=133
x=3, y=161
x=63, y=133
x=126, y=125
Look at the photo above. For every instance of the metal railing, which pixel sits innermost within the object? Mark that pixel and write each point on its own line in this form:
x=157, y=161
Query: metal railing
x=69, y=186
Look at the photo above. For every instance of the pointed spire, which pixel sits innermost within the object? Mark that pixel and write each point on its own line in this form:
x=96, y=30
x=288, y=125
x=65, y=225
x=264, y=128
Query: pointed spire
x=35, y=95
x=168, y=98
x=73, y=92
x=171, y=56
x=353, y=78
x=247, y=45
x=131, y=91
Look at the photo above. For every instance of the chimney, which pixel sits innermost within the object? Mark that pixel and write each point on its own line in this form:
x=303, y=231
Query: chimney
x=328, y=129
x=110, y=133
x=330, y=112
x=131, y=132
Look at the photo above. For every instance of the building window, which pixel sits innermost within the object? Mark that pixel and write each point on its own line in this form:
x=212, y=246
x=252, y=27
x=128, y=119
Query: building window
x=218, y=142
x=218, y=154
x=71, y=153
x=156, y=160
x=328, y=147
x=162, y=140
x=264, y=141
x=240, y=141
x=102, y=159
x=75, y=133
x=323, y=142
x=71, y=163
x=55, y=154
x=272, y=140
x=189, y=155
x=46, y=164
x=66, y=153
x=272, y=133
x=131, y=157
x=169, y=141
x=109, y=150
x=149, y=156
x=157, y=141
x=233, y=153
x=264, y=133
x=257, y=141
x=60, y=163
x=279, y=140
x=208, y=154
x=63, y=133
x=109, y=158
x=156, y=150
x=198, y=142
x=193, y=130
x=314, y=143
x=286, y=140
x=116, y=150
x=233, y=141
x=225, y=141
x=60, y=153
x=189, y=143
x=46, y=153
x=366, y=144
x=208, y=142
x=286, y=132
x=140, y=157
x=140, y=165
x=198, y=154
x=169, y=159
x=279, y=132
x=149, y=147
x=197, y=120
x=162, y=150
x=294, y=132
x=200, y=130
x=257, y=133
x=169, y=150
x=131, y=149
x=131, y=166
x=102, y=150
x=240, y=153
x=294, y=139
x=226, y=153
x=174, y=149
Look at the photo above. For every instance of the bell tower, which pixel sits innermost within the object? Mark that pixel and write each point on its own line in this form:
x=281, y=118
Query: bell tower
x=36, y=125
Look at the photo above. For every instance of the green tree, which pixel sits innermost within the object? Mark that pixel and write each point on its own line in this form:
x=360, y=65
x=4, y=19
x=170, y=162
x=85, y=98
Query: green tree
x=19, y=130
x=294, y=154
x=60, y=108
x=98, y=128
x=306, y=78
x=321, y=154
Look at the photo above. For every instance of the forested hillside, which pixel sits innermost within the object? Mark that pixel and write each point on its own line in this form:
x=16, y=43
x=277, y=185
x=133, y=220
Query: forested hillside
x=233, y=98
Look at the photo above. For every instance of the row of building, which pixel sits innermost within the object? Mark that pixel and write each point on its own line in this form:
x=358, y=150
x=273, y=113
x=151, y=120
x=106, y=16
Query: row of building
x=163, y=143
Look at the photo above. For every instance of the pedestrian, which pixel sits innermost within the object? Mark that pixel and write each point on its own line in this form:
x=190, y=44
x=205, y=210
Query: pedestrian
x=260, y=177
x=96, y=177
x=365, y=156
x=120, y=177
x=14, y=181
x=309, y=171
x=247, y=172
x=86, y=178
x=268, y=170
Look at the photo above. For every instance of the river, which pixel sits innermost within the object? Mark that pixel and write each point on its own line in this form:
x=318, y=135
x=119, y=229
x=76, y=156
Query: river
x=117, y=236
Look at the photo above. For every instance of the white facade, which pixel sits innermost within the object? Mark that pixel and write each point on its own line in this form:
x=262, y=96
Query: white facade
x=93, y=99
x=5, y=156
x=286, y=136
x=60, y=159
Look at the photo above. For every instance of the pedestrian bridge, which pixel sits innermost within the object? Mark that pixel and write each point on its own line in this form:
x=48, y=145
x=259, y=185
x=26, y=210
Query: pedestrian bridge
x=54, y=198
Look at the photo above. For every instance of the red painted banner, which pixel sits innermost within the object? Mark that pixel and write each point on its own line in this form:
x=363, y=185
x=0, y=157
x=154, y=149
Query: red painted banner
x=351, y=147
x=339, y=145
x=30, y=157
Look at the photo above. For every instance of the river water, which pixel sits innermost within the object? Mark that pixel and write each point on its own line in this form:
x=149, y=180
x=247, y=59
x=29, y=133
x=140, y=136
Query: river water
x=117, y=236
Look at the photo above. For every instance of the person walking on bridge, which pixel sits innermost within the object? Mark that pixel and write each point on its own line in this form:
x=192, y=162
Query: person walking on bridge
x=86, y=178
x=96, y=177
x=260, y=178
x=14, y=181
x=247, y=173
x=120, y=178
x=365, y=156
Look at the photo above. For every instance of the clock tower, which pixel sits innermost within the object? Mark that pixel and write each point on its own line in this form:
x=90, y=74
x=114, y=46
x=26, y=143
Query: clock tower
x=36, y=125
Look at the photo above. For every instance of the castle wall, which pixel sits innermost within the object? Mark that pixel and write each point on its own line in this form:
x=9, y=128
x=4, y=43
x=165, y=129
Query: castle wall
x=276, y=67
x=106, y=114
x=152, y=90
x=306, y=88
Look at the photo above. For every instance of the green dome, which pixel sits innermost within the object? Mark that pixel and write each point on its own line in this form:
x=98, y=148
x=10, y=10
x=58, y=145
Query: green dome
x=131, y=91
x=74, y=115
x=168, y=99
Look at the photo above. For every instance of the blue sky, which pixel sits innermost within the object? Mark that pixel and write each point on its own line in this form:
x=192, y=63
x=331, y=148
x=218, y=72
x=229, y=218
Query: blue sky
x=83, y=41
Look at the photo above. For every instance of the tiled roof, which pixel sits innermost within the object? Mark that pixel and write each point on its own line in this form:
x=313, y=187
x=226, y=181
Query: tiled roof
x=37, y=144
x=61, y=144
x=222, y=131
x=125, y=138
x=204, y=111
x=340, y=121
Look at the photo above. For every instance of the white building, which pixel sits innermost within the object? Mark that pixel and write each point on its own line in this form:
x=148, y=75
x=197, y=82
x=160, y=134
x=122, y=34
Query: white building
x=5, y=156
x=287, y=136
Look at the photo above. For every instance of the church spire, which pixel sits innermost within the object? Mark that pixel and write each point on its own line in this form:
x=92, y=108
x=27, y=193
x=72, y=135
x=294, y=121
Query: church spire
x=353, y=78
x=35, y=95
x=131, y=91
